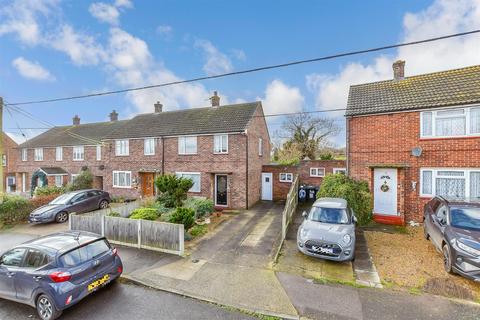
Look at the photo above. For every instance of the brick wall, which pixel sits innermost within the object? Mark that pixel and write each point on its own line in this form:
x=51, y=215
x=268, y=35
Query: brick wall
x=280, y=189
x=388, y=139
x=10, y=150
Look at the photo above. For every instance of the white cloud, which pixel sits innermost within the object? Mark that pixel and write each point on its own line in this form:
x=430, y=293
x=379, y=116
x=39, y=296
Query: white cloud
x=216, y=62
x=239, y=54
x=281, y=98
x=32, y=69
x=123, y=4
x=165, y=31
x=104, y=12
x=441, y=18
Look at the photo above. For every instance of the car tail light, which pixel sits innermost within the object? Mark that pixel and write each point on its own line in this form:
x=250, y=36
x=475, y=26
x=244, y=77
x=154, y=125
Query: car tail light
x=60, y=276
x=120, y=270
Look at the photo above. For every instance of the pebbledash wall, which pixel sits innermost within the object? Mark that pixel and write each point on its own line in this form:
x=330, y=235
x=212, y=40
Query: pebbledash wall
x=242, y=167
x=303, y=170
x=387, y=140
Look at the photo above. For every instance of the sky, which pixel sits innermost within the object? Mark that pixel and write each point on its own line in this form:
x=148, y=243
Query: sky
x=57, y=48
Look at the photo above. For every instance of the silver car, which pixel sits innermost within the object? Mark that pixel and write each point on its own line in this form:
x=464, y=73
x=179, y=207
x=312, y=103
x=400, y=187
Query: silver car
x=328, y=231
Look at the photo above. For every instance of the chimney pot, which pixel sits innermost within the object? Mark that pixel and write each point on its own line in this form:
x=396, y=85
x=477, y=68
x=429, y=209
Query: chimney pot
x=114, y=116
x=76, y=120
x=398, y=69
x=215, y=99
x=158, y=107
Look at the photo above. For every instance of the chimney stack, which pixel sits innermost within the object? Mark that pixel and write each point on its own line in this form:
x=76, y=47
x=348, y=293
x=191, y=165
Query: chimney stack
x=158, y=107
x=114, y=116
x=76, y=120
x=398, y=70
x=215, y=99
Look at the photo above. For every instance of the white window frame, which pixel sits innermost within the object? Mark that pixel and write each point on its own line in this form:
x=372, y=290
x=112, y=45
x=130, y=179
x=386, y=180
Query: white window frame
x=59, y=154
x=260, y=147
x=434, y=115
x=73, y=176
x=38, y=154
x=285, y=177
x=198, y=188
x=218, y=147
x=57, y=182
x=466, y=176
x=149, y=143
x=78, y=153
x=340, y=170
x=98, y=152
x=24, y=154
x=4, y=160
x=116, y=183
x=315, y=172
x=122, y=147
x=182, y=145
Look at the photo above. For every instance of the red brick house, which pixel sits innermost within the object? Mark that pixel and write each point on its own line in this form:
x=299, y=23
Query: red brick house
x=221, y=148
x=310, y=172
x=415, y=137
x=9, y=162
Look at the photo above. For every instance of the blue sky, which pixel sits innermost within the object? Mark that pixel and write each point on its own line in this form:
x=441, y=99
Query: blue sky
x=60, y=48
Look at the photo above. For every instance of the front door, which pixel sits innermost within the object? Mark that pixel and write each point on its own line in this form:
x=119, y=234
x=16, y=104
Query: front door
x=148, y=184
x=221, y=187
x=267, y=185
x=385, y=191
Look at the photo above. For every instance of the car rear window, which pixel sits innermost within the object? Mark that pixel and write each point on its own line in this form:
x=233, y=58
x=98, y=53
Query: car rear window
x=85, y=253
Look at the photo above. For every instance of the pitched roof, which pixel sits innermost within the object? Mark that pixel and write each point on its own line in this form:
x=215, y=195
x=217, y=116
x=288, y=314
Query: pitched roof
x=53, y=170
x=223, y=119
x=439, y=89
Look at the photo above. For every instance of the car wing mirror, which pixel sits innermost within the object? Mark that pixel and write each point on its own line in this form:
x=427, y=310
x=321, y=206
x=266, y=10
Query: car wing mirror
x=355, y=220
x=304, y=214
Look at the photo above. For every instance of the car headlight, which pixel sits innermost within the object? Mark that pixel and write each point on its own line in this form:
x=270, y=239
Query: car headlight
x=347, y=239
x=303, y=233
x=468, y=249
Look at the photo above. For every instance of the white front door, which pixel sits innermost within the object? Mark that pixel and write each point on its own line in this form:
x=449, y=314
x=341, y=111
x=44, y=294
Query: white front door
x=385, y=191
x=267, y=185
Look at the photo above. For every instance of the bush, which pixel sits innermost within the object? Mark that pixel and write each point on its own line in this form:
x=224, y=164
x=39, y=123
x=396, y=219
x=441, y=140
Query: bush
x=39, y=201
x=185, y=216
x=173, y=190
x=14, y=209
x=118, y=199
x=84, y=180
x=202, y=207
x=145, y=214
x=198, y=230
x=355, y=192
x=114, y=214
x=326, y=156
x=49, y=190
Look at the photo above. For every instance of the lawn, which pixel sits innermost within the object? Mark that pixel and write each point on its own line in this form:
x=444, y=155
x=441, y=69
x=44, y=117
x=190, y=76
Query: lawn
x=406, y=260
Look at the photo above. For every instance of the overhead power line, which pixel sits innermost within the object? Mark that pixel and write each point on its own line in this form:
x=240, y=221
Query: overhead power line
x=240, y=72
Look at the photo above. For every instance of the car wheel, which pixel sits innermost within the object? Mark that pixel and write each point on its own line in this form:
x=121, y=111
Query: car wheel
x=46, y=309
x=425, y=233
x=447, y=259
x=103, y=204
x=61, y=217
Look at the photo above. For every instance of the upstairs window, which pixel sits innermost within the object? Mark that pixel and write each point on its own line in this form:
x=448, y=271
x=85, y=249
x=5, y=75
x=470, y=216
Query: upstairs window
x=149, y=146
x=38, y=154
x=24, y=154
x=4, y=160
x=187, y=145
x=58, y=153
x=122, y=147
x=260, y=146
x=220, y=143
x=78, y=153
x=317, y=172
x=98, y=152
x=450, y=123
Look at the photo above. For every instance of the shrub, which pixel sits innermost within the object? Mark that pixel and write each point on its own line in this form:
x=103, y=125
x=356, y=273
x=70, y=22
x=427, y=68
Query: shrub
x=114, y=214
x=84, y=180
x=202, y=207
x=145, y=214
x=49, y=190
x=198, y=230
x=39, y=201
x=326, y=156
x=185, y=216
x=355, y=192
x=14, y=209
x=173, y=190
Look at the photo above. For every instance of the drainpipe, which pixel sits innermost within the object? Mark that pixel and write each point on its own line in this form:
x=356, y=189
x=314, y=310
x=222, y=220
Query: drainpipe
x=246, y=173
x=163, y=155
x=347, y=146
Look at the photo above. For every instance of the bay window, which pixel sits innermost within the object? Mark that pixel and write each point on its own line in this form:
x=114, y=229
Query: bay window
x=450, y=183
x=450, y=122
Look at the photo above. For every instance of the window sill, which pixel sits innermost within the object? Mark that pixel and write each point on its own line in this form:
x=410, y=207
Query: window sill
x=285, y=181
x=119, y=187
x=220, y=153
x=449, y=138
x=317, y=176
x=78, y=160
x=122, y=155
x=149, y=154
x=188, y=154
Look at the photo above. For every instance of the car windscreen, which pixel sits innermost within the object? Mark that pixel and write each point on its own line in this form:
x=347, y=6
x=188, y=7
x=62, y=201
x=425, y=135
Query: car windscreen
x=63, y=199
x=467, y=218
x=85, y=253
x=329, y=215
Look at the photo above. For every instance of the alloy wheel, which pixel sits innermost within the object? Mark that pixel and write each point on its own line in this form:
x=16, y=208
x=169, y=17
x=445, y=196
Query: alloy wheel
x=45, y=308
x=103, y=204
x=446, y=259
x=62, y=217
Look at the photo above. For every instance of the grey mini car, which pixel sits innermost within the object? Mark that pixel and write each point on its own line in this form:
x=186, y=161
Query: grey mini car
x=328, y=231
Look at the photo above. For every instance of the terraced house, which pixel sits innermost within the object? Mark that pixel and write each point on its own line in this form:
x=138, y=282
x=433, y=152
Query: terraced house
x=221, y=148
x=415, y=137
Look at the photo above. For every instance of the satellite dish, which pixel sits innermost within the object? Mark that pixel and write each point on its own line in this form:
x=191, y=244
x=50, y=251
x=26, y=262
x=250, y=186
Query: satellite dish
x=417, y=151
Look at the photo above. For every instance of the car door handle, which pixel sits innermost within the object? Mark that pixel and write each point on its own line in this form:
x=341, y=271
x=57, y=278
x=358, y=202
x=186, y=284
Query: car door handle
x=37, y=278
x=10, y=274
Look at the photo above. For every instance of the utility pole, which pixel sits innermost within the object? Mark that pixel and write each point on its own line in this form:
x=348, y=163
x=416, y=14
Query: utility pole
x=2, y=152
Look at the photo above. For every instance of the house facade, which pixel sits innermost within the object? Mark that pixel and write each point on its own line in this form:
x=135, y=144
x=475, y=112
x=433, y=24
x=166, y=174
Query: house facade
x=221, y=148
x=9, y=162
x=415, y=137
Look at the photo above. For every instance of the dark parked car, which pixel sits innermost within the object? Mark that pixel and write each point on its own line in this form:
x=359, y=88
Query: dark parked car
x=55, y=272
x=454, y=228
x=76, y=201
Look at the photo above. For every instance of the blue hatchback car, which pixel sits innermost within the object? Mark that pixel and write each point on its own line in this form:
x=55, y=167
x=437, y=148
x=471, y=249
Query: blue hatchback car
x=54, y=272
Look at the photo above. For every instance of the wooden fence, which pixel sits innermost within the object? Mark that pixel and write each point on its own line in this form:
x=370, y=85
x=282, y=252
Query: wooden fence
x=290, y=207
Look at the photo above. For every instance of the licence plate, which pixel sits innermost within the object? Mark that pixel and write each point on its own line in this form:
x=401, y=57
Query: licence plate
x=326, y=250
x=97, y=283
